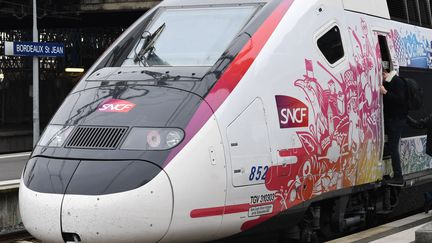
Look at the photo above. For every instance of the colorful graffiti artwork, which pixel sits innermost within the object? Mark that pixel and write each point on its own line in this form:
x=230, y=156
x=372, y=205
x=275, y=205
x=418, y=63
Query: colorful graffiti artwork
x=413, y=155
x=413, y=49
x=341, y=146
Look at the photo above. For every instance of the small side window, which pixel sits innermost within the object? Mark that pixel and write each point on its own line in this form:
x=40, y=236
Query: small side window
x=398, y=10
x=330, y=44
x=424, y=13
x=413, y=12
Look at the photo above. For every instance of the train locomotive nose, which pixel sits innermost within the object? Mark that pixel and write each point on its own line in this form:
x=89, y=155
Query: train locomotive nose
x=102, y=201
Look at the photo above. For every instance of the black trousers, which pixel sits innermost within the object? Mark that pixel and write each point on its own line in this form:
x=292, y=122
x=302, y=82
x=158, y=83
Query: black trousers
x=393, y=129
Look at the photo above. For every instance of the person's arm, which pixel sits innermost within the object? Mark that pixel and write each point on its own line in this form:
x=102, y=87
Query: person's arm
x=397, y=94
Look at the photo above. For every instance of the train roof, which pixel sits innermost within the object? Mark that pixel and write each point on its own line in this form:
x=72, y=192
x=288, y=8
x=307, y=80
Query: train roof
x=208, y=2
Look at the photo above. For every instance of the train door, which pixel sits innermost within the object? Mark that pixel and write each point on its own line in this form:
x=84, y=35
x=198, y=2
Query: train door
x=357, y=114
x=386, y=55
x=330, y=107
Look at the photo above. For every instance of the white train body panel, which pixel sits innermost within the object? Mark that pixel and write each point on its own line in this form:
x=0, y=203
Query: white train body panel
x=41, y=223
x=198, y=177
x=370, y=7
x=100, y=219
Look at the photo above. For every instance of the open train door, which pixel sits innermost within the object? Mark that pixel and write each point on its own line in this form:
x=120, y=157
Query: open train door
x=385, y=53
x=367, y=59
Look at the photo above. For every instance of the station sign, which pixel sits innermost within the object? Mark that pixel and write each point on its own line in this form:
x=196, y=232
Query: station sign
x=34, y=49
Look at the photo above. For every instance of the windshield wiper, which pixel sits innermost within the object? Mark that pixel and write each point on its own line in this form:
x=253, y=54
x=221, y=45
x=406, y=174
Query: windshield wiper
x=148, y=45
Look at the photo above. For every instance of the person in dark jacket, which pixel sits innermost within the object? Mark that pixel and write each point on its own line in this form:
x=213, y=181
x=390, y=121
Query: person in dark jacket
x=425, y=123
x=395, y=115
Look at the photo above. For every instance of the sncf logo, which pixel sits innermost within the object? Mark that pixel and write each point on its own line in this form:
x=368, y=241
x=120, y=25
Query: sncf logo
x=292, y=112
x=114, y=105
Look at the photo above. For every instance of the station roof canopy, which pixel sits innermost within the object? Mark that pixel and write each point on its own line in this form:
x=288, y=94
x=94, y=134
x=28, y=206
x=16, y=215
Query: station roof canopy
x=70, y=13
x=209, y=2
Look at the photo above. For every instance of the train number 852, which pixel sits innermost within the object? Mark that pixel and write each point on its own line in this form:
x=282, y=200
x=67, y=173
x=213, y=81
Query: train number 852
x=258, y=173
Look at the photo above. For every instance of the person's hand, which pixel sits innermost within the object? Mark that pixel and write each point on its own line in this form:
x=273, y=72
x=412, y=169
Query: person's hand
x=383, y=90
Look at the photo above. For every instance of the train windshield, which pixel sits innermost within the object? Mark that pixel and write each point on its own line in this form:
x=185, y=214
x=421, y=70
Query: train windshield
x=189, y=36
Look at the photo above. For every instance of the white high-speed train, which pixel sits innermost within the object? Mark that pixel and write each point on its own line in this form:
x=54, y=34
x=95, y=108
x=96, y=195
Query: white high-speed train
x=209, y=118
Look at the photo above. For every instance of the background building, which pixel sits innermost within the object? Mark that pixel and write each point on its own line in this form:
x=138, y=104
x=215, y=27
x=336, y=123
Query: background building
x=86, y=27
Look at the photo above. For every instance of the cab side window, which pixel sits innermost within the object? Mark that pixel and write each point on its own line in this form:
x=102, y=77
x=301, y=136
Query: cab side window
x=330, y=44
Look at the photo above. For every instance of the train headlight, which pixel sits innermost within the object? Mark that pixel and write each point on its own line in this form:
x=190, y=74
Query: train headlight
x=152, y=138
x=173, y=138
x=55, y=135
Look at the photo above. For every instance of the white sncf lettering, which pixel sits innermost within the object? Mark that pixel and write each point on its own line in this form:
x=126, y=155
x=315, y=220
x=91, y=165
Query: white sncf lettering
x=115, y=107
x=292, y=112
x=296, y=115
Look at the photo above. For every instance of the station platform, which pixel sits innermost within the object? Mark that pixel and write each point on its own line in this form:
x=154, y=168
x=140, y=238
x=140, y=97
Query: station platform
x=15, y=140
x=11, y=165
x=400, y=231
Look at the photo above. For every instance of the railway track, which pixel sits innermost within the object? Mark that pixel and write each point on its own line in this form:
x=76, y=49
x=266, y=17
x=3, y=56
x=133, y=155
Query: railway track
x=379, y=233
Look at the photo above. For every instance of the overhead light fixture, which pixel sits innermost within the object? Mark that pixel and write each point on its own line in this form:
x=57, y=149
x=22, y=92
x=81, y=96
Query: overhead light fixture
x=1, y=76
x=74, y=70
